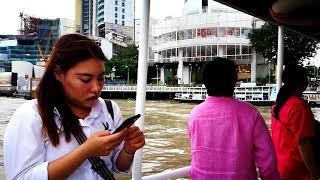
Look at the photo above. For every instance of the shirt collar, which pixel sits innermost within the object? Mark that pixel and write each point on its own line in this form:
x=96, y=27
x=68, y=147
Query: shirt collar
x=219, y=98
x=94, y=113
x=95, y=110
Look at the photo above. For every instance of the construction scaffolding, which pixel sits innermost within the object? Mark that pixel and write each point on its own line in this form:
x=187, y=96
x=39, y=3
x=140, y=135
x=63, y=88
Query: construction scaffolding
x=33, y=44
x=44, y=32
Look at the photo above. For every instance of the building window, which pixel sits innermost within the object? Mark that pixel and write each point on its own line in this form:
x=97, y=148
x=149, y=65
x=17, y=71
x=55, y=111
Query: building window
x=245, y=31
x=122, y=16
x=116, y=21
x=122, y=4
x=122, y=23
x=115, y=15
x=123, y=10
x=116, y=2
x=116, y=8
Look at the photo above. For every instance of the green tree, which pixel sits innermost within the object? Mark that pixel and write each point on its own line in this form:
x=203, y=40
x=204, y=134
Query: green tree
x=126, y=59
x=296, y=47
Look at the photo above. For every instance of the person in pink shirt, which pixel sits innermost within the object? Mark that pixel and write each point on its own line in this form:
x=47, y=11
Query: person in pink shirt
x=229, y=138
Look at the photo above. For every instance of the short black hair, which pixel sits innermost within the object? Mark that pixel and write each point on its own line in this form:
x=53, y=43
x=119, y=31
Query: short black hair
x=220, y=76
x=294, y=75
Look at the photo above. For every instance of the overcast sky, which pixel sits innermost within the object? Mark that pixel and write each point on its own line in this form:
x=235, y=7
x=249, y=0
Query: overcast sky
x=9, y=10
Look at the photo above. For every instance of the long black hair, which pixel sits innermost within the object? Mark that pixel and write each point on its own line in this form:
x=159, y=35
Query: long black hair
x=293, y=77
x=67, y=52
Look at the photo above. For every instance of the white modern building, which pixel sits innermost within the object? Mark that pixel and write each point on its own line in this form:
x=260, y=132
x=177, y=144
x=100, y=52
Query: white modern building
x=115, y=12
x=180, y=46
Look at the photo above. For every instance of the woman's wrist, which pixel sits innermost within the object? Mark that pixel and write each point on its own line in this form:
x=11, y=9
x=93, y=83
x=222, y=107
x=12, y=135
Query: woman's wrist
x=84, y=149
x=128, y=152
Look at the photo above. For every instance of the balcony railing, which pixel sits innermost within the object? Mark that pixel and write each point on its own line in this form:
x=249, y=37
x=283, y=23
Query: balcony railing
x=200, y=58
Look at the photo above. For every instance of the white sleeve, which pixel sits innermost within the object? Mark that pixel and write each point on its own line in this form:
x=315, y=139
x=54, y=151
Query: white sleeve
x=24, y=150
x=116, y=152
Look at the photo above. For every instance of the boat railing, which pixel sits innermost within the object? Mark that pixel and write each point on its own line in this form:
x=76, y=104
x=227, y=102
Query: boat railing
x=178, y=95
x=170, y=174
x=256, y=93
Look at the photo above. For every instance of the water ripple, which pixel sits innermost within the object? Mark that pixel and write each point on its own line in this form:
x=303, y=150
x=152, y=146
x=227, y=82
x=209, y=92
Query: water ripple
x=167, y=146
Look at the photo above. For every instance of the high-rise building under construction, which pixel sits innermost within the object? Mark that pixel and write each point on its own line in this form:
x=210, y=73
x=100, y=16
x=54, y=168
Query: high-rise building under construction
x=34, y=42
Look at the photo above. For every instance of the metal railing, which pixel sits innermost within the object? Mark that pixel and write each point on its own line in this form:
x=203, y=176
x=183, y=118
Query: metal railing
x=171, y=174
x=122, y=88
x=174, y=59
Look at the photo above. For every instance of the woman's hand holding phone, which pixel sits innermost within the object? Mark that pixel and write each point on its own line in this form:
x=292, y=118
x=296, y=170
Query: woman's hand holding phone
x=126, y=123
x=103, y=142
x=134, y=140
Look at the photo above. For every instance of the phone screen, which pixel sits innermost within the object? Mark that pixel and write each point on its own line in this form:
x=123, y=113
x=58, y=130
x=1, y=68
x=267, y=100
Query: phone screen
x=128, y=122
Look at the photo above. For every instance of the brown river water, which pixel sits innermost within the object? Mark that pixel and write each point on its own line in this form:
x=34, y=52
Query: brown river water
x=167, y=145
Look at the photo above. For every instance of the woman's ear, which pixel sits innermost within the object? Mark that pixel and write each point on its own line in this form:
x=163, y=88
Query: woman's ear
x=58, y=73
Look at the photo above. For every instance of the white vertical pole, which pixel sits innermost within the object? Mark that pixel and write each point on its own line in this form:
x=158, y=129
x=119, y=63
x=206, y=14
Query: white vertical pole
x=128, y=76
x=90, y=17
x=134, y=22
x=180, y=66
x=157, y=75
x=94, y=18
x=141, y=83
x=280, y=57
x=162, y=80
x=269, y=70
x=254, y=66
x=220, y=51
x=190, y=74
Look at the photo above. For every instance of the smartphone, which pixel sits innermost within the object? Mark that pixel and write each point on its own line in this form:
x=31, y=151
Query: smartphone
x=128, y=122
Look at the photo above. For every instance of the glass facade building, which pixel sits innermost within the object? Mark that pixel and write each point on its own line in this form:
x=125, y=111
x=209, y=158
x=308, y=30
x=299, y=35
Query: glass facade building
x=31, y=46
x=98, y=17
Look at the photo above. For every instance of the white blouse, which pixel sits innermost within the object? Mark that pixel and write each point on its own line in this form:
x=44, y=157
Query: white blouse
x=27, y=152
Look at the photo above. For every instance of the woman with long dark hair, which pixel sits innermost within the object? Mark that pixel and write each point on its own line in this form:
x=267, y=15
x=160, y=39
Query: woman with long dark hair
x=66, y=132
x=292, y=127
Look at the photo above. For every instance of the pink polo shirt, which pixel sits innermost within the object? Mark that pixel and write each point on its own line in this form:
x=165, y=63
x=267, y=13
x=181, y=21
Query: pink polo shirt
x=230, y=140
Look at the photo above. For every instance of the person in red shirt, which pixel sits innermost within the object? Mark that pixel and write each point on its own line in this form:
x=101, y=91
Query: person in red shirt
x=292, y=128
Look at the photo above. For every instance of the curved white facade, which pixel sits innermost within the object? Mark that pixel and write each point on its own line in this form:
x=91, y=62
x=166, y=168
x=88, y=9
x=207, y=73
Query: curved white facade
x=183, y=44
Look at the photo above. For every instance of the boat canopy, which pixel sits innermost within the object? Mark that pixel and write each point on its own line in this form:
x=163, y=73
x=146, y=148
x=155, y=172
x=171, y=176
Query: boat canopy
x=297, y=15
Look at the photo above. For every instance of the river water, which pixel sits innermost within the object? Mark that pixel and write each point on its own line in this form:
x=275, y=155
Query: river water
x=167, y=145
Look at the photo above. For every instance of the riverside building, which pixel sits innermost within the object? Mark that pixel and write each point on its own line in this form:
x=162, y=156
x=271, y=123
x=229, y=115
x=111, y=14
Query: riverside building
x=181, y=45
